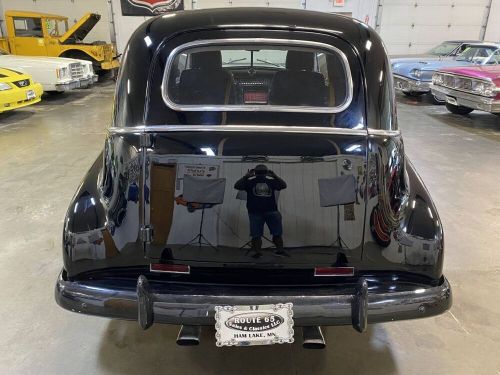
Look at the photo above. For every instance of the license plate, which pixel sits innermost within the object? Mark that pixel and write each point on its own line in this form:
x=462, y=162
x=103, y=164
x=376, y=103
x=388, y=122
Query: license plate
x=254, y=325
x=30, y=94
x=451, y=100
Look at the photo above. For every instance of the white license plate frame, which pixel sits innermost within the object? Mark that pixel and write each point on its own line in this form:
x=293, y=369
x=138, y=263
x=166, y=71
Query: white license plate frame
x=30, y=94
x=254, y=325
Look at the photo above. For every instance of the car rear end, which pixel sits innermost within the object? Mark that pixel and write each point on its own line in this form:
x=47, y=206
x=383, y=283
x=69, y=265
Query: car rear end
x=256, y=198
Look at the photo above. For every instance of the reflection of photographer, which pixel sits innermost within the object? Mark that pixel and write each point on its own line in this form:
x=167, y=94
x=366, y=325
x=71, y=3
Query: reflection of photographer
x=260, y=184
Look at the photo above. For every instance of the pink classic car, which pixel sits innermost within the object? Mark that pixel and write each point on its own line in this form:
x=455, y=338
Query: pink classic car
x=467, y=88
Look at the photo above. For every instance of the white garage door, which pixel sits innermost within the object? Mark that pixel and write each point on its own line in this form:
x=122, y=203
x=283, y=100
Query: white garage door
x=201, y=4
x=416, y=26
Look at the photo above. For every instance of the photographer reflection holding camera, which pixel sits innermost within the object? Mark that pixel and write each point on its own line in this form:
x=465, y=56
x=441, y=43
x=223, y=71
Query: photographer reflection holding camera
x=260, y=185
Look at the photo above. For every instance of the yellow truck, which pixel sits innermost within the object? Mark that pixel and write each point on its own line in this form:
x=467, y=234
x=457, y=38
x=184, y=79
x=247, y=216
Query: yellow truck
x=40, y=34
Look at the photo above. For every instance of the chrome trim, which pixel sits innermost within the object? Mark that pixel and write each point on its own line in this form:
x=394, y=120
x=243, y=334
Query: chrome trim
x=484, y=79
x=194, y=304
x=235, y=128
x=313, y=338
x=422, y=86
x=126, y=129
x=465, y=99
x=384, y=133
x=67, y=86
x=189, y=336
x=461, y=76
x=254, y=108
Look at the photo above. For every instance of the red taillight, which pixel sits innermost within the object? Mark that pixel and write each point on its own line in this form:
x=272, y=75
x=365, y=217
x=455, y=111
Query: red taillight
x=255, y=97
x=334, y=271
x=170, y=268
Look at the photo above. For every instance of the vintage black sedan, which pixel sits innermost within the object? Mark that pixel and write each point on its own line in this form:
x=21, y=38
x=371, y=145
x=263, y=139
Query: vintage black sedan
x=253, y=179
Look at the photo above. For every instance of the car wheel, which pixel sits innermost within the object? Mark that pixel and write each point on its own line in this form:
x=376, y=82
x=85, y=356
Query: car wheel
x=458, y=109
x=413, y=94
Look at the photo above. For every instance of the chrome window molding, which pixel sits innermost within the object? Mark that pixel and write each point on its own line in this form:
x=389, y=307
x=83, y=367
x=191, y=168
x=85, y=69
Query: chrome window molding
x=256, y=108
x=250, y=128
x=384, y=132
x=234, y=128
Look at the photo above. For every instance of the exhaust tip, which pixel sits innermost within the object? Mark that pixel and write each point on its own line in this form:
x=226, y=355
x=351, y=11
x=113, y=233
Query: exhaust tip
x=189, y=336
x=187, y=342
x=314, y=345
x=313, y=338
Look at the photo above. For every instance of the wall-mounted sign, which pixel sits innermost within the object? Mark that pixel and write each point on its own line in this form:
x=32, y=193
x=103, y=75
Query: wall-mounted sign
x=338, y=3
x=150, y=7
x=199, y=170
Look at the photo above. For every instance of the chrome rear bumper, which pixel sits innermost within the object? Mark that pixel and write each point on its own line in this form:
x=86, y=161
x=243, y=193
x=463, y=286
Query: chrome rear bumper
x=187, y=304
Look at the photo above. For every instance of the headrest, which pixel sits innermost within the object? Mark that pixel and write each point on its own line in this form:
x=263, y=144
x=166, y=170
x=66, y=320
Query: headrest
x=211, y=60
x=298, y=60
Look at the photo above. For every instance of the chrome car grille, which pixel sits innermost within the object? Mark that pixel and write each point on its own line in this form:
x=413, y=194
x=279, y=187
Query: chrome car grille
x=22, y=83
x=472, y=85
x=76, y=70
x=456, y=82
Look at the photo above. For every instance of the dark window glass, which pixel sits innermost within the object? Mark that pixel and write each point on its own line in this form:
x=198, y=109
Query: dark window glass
x=260, y=77
x=28, y=27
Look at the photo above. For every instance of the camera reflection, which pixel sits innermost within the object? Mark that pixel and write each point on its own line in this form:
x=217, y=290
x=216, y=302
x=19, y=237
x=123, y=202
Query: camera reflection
x=261, y=185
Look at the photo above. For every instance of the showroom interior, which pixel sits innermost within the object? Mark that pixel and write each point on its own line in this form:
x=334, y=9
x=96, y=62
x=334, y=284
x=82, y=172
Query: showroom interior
x=60, y=74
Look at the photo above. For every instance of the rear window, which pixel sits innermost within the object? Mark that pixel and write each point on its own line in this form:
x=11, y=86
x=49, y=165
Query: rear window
x=248, y=76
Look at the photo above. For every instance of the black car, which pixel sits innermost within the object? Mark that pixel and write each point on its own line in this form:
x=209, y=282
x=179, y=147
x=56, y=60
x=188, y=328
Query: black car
x=253, y=178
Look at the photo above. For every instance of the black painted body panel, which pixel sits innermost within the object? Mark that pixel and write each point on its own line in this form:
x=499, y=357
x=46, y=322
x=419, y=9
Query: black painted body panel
x=139, y=74
x=392, y=225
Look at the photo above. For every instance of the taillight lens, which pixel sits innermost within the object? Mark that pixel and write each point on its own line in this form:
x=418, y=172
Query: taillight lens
x=334, y=271
x=170, y=268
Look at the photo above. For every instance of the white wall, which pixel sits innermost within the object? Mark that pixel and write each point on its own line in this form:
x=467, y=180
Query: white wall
x=416, y=26
x=404, y=27
x=493, y=28
x=73, y=9
x=125, y=25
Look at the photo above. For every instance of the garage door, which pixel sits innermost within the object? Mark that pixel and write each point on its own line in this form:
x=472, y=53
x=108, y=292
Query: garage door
x=416, y=26
x=201, y=4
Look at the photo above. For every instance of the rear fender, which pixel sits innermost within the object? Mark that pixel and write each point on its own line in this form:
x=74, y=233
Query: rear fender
x=102, y=224
x=403, y=230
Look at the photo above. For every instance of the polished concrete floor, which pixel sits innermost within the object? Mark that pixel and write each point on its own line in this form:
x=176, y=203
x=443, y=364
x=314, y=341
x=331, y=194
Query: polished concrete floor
x=44, y=152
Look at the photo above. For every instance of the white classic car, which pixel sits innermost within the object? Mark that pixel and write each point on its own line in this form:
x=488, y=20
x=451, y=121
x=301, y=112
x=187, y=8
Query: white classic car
x=54, y=73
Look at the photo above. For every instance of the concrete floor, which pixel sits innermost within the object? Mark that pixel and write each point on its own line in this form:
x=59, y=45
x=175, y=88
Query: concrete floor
x=44, y=152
